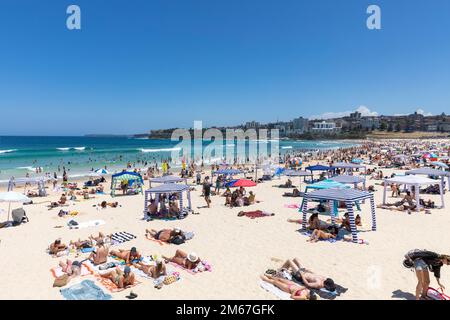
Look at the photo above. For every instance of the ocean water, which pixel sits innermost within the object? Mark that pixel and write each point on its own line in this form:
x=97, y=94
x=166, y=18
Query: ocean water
x=79, y=155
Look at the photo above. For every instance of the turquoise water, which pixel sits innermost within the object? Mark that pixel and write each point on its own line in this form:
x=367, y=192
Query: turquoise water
x=22, y=155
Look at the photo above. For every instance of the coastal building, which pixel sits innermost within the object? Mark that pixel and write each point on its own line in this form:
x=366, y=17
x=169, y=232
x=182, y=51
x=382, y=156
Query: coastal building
x=299, y=125
x=252, y=125
x=325, y=127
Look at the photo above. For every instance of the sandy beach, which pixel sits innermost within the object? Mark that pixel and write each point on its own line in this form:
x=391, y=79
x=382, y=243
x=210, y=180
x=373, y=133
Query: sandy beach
x=239, y=249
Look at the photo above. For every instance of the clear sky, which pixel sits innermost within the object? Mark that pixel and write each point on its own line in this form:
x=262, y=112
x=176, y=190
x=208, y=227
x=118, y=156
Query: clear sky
x=145, y=64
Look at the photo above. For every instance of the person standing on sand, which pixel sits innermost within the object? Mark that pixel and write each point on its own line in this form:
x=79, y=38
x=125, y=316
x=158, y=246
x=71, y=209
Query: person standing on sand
x=207, y=191
x=424, y=261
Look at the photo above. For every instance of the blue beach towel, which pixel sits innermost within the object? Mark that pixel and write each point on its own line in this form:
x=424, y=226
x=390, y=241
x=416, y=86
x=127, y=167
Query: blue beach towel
x=85, y=290
x=86, y=250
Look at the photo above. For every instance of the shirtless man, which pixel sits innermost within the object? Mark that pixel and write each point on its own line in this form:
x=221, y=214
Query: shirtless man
x=153, y=207
x=100, y=255
x=81, y=244
x=188, y=261
x=164, y=235
x=56, y=247
x=307, y=277
x=127, y=255
x=120, y=279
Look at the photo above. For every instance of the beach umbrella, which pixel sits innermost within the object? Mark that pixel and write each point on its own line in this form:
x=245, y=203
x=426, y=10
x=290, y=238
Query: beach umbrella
x=241, y=183
x=101, y=171
x=12, y=196
x=357, y=160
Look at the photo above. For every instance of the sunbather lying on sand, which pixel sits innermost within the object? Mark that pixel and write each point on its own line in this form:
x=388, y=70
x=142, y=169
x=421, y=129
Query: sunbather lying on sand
x=56, y=247
x=100, y=255
x=122, y=279
x=62, y=201
x=71, y=268
x=165, y=235
x=81, y=244
x=297, y=292
x=288, y=184
x=127, y=255
x=153, y=271
x=100, y=237
x=318, y=234
x=294, y=193
x=188, y=261
x=105, y=204
x=255, y=214
x=307, y=277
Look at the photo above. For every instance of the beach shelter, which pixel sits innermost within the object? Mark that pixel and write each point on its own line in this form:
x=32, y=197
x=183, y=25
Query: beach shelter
x=298, y=173
x=39, y=181
x=167, y=179
x=439, y=164
x=432, y=173
x=226, y=172
x=411, y=180
x=319, y=167
x=325, y=185
x=168, y=189
x=347, y=179
x=349, y=196
x=133, y=179
x=347, y=166
x=11, y=197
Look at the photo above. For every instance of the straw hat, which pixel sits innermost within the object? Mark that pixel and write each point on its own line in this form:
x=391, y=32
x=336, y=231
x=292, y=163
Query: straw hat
x=192, y=257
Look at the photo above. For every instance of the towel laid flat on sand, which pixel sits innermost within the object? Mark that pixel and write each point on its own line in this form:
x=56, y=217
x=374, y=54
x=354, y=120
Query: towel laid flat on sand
x=86, y=270
x=121, y=237
x=87, y=224
x=111, y=286
x=274, y=290
x=86, y=290
x=206, y=266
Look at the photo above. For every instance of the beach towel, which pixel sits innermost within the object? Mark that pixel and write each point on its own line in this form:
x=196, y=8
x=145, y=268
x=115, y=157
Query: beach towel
x=85, y=271
x=274, y=290
x=111, y=286
x=121, y=237
x=85, y=290
x=87, y=250
x=292, y=206
x=87, y=224
x=122, y=261
x=96, y=269
x=195, y=271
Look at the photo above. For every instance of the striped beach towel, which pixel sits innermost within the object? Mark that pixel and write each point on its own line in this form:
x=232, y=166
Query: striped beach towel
x=121, y=237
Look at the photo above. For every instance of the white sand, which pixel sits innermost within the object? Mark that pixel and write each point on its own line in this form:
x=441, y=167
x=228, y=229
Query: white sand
x=239, y=248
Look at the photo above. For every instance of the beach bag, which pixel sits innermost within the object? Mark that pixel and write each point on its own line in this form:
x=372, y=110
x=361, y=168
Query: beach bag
x=178, y=240
x=170, y=279
x=61, y=281
x=439, y=294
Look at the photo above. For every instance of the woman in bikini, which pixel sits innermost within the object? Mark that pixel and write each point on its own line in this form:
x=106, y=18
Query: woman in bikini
x=155, y=271
x=297, y=292
x=127, y=255
x=122, y=279
x=188, y=261
x=323, y=235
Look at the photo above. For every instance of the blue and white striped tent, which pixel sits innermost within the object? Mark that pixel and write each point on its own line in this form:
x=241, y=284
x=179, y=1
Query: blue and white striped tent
x=349, y=196
x=167, y=189
x=167, y=179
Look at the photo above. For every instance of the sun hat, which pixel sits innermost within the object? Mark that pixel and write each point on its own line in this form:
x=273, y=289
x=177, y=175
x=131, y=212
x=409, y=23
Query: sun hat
x=192, y=257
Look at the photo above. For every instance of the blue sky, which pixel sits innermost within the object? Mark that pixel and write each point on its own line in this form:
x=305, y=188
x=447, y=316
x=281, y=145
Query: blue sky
x=144, y=64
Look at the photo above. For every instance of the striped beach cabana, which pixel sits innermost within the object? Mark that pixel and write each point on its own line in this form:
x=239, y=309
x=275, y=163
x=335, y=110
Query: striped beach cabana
x=133, y=179
x=167, y=189
x=349, y=196
x=167, y=179
x=415, y=181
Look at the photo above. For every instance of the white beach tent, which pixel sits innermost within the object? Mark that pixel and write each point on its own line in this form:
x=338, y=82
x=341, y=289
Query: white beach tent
x=416, y=182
